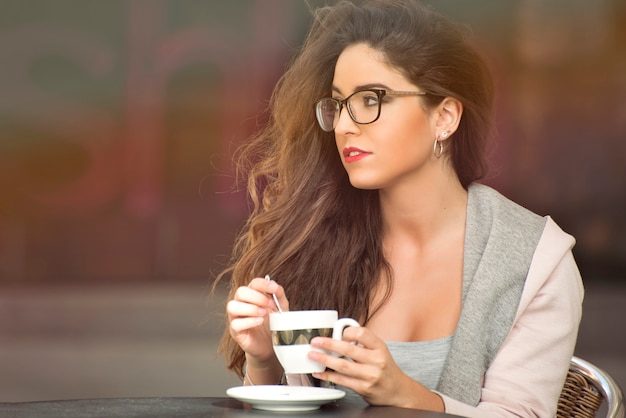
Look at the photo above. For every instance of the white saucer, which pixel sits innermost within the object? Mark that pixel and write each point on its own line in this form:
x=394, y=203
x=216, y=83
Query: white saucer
x=285, y=398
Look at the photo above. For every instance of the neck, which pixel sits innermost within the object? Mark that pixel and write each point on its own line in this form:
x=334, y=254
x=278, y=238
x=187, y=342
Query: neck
x=418, y=211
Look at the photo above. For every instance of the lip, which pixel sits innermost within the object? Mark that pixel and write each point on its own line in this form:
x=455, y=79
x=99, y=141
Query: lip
x=353, y=154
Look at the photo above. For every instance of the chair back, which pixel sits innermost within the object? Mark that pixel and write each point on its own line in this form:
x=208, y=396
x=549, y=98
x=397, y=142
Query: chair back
x=585, y=388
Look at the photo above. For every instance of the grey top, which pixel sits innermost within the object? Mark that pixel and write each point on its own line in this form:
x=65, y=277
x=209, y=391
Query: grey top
x=422, y=361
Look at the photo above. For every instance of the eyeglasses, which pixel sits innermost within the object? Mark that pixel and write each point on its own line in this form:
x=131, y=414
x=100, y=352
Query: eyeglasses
x=363, y=106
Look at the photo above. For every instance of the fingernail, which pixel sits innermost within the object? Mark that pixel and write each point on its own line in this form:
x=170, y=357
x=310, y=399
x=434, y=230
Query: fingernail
x=273, y=286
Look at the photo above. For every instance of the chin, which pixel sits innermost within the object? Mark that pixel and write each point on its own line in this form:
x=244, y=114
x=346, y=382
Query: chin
x=364, y=184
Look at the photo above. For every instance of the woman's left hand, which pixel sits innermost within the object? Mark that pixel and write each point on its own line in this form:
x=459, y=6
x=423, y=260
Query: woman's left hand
x=370, y=371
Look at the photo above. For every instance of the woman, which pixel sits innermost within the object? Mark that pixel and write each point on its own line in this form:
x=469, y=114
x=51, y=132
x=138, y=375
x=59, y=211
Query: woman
x=469, y=303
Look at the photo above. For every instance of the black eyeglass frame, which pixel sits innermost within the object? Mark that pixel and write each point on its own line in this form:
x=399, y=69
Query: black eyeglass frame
x=380, y=93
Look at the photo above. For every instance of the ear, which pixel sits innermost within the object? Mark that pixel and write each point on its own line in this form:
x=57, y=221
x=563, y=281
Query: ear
x=449, y=113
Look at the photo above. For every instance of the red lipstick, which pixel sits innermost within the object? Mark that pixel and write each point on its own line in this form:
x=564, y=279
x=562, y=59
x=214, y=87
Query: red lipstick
x=353, y=154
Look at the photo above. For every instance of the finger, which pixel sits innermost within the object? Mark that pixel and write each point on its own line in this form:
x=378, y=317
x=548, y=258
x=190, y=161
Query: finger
x=264, y=286
x=279, y=291
x=364, y=337
x=239, y=325
x=351, y=348
x=342, y=363
x=237, y=309
x=351, y=336
x=356, y=376
x=252, y=296
x=341, y=379
x=347, y=371
x=269, y=287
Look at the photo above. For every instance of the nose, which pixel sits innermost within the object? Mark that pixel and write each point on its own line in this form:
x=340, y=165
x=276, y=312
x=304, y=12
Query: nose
x=345, y=124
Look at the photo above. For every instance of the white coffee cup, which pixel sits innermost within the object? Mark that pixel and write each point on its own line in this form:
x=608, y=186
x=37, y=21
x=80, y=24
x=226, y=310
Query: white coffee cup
x=292, y=332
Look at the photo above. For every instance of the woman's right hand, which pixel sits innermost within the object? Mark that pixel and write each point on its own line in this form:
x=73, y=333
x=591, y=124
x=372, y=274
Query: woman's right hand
x=248, y=315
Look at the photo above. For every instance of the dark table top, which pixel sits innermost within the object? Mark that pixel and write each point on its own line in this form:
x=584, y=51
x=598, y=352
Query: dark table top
x=193, y=407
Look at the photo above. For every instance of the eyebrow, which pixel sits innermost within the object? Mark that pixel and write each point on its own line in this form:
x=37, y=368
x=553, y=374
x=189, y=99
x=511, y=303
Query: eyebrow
x=364, y=87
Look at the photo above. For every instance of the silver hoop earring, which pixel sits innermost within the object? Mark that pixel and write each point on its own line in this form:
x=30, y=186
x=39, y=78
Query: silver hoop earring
x=438, y=148
x=438, y=145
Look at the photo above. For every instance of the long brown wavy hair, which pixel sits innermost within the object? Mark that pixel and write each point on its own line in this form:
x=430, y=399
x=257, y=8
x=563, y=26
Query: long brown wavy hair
x=314, y=233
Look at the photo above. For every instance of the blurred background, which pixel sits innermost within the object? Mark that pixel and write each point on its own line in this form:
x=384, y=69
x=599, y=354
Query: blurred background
x=118, y=203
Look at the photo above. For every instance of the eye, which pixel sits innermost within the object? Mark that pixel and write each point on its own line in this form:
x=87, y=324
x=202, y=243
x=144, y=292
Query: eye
x=370, y=99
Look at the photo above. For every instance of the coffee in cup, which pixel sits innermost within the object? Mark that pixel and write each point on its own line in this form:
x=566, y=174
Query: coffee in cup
x=292, y=332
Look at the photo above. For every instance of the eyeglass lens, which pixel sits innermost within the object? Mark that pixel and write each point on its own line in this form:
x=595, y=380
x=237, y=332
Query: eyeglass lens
x=363, y=107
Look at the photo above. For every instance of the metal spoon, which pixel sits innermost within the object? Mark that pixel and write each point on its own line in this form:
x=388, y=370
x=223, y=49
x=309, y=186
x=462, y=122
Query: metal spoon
x=267, y=277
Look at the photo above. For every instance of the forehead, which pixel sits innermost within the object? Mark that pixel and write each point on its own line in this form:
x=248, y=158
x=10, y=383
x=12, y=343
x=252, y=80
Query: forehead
x=360, y=65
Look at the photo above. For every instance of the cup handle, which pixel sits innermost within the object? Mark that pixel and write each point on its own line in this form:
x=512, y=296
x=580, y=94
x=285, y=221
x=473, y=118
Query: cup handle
x=342, y=324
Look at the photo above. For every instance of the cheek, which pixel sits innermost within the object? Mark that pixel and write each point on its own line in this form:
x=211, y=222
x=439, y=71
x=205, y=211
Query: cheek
x=409, y=113
x=411, y=132
x=408, y=143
